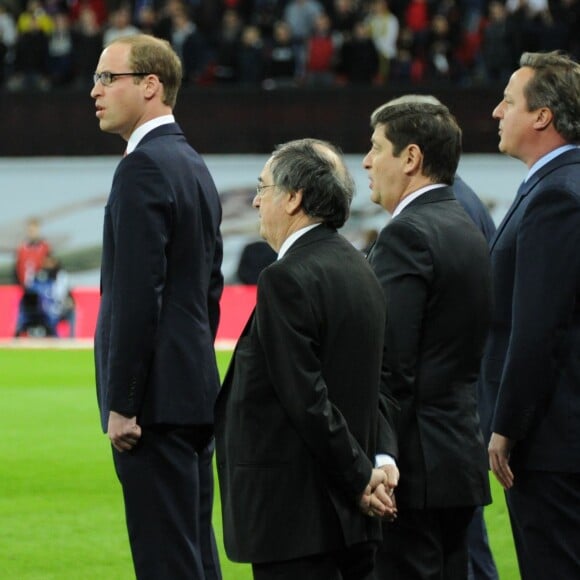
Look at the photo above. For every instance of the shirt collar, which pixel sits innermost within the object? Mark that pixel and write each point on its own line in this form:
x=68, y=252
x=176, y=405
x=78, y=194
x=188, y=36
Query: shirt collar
x=547, y=158
x=413, y=196
x=142, y=130
x=289, y=241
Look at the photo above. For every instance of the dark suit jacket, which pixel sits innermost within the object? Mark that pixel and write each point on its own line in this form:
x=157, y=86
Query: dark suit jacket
x=433, y=265
x=474, y=207
x=296, y=416
x=531, y=368
x=160, y=286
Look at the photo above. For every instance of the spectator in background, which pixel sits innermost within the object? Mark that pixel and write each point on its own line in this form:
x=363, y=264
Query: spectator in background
x=87, y=45
x=497, y=53
x=255, y=257
x=265, y=14
x=8, y=36
x=251, y=57
x=384, y=27
x=300, y=15
x=34, y=26
x=146, y=19
x=281, y=67
x=227, y=46
x=188, y=43
x=60, y=51
x=320, y=53
x=344, y=16
x=47, y=301
x=97, y=7
x=30, y=254
x=358, y=56
x=119, y=25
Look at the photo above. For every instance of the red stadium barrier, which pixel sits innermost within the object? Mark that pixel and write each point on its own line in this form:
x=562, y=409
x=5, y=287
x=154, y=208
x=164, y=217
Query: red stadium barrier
x=236, y=305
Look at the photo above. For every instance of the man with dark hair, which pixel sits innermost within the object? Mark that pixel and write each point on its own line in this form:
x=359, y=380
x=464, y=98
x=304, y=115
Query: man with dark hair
x=157, y=377
x=296, y=418
x=531, y=368
x=433, y=265
x=481, y=565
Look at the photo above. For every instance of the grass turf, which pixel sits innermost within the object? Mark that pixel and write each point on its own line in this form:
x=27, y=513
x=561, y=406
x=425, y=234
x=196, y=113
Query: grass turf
x=61, y=511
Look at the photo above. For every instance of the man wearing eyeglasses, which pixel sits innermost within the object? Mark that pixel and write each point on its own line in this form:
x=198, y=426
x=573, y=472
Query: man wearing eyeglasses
x=297, y=415
x=161, y=283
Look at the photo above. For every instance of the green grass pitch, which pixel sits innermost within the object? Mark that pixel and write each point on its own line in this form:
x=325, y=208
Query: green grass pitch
x=61, y=512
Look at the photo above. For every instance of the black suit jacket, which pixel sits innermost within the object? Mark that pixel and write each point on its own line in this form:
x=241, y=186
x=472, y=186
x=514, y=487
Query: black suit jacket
x=531, y=368
x=296, y=417
x=433, y=265
x=160, y=286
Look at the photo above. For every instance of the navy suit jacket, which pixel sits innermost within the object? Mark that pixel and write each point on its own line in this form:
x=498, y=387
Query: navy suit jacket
x=531, y=368
x=296, y=418
x=474, y=207
x=160, y=286
x=433, y=265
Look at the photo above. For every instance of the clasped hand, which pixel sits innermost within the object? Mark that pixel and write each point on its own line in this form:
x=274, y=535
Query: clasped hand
x=378, y=498
x=123, y=432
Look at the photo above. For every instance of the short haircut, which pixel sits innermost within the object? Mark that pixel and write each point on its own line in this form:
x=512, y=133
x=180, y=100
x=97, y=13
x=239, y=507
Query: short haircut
x=555, y=85
x=156, y=56
x=429, y=126
x=317, y=169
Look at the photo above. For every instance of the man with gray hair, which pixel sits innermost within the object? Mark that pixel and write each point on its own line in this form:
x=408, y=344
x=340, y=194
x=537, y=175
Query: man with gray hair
x=296, y=417
x=531, y=368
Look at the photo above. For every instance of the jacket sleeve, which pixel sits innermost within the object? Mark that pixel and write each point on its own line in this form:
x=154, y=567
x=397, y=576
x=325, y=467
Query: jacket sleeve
x=141, y=223
x=403, y=265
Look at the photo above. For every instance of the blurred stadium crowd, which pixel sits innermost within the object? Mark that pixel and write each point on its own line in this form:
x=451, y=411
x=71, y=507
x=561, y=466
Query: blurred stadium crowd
x=48, y=44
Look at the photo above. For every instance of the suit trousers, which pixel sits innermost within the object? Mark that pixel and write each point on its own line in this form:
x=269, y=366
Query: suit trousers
x=425, y=544
x=481, y=562
x=167, y=482
x=353, y=563
x=544, y=510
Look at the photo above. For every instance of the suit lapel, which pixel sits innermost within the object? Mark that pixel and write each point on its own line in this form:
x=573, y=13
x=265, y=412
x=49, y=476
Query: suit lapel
x=572, y=156
x=523, y=190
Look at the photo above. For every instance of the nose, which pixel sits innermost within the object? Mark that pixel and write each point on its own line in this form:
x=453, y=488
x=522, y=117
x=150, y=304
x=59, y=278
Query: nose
x=497, y=112
x=366, y=161
x=96, y=90
x=256, y=201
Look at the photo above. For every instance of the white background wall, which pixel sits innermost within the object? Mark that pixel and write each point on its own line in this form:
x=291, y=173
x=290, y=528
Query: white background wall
x=69, y=194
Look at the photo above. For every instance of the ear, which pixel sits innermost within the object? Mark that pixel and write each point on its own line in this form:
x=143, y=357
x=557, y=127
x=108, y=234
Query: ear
x=544, y=118
x=293, y=203
x=152, y=86
x=413, y=159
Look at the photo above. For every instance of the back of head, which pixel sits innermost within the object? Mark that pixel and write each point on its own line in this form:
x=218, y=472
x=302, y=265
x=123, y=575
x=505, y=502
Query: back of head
x=317, y=169
x=428, y=125
x=155, y=56
x=555, y=85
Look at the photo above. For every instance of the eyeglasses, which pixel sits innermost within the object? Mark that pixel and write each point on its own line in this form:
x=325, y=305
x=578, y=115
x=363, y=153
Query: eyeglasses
x=260, y=187
x=107, y=77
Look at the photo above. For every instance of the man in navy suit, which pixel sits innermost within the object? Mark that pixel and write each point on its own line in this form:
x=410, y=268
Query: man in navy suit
x=531, y=368
x=157, y=378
